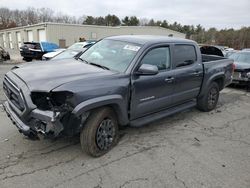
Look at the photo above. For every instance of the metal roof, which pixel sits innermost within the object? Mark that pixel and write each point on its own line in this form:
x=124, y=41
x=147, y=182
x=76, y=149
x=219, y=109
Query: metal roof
x=143, y=39
x=44, y=24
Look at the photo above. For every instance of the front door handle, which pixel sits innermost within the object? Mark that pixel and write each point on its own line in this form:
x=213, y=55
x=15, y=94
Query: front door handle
x=195, y=73
x=169, y=79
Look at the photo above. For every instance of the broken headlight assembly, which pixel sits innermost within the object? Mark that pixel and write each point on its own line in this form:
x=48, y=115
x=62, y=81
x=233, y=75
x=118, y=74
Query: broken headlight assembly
x=245, y=75
x=55, y=101
x=248, y=75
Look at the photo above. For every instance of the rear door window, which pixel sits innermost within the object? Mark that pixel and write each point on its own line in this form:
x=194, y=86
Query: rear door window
x=184, y=55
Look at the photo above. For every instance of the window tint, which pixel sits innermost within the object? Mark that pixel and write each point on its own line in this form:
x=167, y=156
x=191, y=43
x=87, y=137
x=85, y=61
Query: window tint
x=184, y=55
x=159, y=57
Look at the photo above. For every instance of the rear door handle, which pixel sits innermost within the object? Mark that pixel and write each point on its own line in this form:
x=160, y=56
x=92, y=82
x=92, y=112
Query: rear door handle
x=169, y=79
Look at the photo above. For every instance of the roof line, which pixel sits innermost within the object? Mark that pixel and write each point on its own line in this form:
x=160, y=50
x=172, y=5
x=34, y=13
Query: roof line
x=81, y=25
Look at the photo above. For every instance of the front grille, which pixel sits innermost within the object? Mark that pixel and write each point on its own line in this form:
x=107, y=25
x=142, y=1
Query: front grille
x=13, y=93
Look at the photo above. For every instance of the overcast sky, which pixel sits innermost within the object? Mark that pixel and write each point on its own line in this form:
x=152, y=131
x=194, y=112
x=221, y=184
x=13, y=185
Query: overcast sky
x=209, y=13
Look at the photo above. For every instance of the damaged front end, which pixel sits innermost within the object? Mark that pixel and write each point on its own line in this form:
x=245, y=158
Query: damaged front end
x=48, y=118
x=33, y=113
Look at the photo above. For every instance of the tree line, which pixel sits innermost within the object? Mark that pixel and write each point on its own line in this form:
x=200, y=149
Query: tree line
x=235, y=38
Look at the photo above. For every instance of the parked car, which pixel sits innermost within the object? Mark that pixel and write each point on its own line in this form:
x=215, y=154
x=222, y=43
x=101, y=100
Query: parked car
x=228, y=53
x=70, y=52
x=121, y=80
x=50, y=55
x=80, y=45
x=241, y=74
x=246, y=49
x=67, y=54
x=4, y=55
x=35, y=50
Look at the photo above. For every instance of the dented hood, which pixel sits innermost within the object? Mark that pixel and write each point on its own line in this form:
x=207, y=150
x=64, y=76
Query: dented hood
x=45, y=76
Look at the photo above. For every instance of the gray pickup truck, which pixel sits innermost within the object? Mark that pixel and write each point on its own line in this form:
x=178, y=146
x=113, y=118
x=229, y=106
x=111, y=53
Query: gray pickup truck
x=119, y=81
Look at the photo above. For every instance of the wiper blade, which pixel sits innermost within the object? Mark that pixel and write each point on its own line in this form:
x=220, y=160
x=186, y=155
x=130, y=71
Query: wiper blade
x=83, y=60
x=98, y=65
x=95, y=64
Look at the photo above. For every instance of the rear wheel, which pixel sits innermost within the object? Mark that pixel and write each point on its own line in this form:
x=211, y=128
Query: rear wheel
x=209, y=101
x=100, y=133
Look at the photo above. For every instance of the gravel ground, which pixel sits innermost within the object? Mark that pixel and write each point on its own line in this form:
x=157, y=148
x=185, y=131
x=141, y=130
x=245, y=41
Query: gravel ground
x=189, y=149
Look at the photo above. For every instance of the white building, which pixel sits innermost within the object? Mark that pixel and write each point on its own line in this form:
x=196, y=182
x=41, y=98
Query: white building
x=66, y=34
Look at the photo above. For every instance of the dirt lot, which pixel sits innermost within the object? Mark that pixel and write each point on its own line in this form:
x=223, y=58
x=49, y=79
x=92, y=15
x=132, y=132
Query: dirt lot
x=190, y=149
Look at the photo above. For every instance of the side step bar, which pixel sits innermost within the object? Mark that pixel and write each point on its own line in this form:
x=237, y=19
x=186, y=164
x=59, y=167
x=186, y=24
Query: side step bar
x=159, y=115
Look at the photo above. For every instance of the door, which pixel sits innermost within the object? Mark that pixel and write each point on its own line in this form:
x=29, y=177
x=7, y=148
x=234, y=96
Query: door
x=10, y=40
x=188, y=73
x=19, y=40
x=3, y=40
x=30, y=36
x=62, y=43
x=152, y=93
x=41, y=35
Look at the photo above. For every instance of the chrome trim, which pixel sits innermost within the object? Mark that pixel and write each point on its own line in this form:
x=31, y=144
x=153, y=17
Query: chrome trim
x=14, y=118
x=11, y=83
x=19, y=91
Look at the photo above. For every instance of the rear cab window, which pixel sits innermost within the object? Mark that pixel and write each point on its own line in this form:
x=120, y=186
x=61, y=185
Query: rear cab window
x=33, y=45
x=184, y=55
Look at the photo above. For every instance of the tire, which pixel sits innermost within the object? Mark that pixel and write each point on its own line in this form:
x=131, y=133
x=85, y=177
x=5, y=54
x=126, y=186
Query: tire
x=7, y=56
x=27, y=59
x=100, y=133
x=209, y=101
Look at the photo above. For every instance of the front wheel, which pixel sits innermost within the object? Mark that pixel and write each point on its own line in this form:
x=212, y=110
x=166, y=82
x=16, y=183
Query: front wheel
x=100, y=133
x=209, y=101
x=27, y=59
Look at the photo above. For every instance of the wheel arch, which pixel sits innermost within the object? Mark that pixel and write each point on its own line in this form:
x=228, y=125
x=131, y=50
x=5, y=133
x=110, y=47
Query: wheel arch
x=219, y=78
x=116, y=102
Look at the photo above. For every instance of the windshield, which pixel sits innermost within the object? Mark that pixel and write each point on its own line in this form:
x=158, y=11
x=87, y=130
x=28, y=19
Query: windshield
x=241, y=57
x=66, y=54
x=115, y=55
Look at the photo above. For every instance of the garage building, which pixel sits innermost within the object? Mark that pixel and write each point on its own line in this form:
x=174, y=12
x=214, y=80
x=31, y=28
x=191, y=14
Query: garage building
x=66, y=34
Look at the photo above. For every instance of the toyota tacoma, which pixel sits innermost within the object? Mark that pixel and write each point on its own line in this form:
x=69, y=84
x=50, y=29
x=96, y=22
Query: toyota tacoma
x=119, y=81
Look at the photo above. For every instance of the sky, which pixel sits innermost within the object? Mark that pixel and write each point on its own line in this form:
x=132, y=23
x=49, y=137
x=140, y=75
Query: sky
x=209, y=13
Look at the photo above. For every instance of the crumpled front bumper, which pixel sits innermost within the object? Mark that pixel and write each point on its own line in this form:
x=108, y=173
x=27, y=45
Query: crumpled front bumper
x=239, y=79
x=22, y=127
x=43, y=122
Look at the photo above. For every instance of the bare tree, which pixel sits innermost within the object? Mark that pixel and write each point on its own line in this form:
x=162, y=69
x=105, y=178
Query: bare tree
x=143, y=21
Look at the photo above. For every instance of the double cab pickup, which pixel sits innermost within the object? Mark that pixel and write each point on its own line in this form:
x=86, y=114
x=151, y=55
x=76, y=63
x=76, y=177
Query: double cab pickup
x=121, y=80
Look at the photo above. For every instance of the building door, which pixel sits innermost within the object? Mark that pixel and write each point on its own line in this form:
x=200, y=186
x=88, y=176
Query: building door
x=41, y=35
x=10, y=41
x=19, y=40
x=30, y=36
x=4, y=40
x=62, y=43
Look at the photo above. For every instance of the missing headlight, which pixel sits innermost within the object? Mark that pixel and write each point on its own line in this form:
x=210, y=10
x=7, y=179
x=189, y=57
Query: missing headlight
x=50, y=101
x=40, y=99
x=60, y=98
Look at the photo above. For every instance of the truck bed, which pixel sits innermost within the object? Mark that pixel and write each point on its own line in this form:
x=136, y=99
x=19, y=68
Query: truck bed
x=213, y=66
x=207, y=58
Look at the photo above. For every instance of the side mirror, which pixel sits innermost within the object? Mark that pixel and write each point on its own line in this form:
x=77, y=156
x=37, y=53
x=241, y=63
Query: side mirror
x=147, y=69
